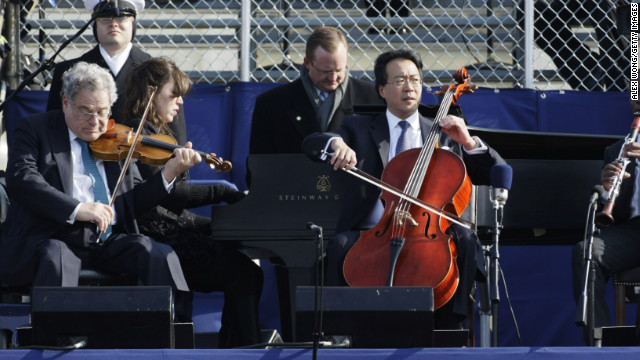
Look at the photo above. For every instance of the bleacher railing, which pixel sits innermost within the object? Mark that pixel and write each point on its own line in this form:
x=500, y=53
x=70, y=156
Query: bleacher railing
x=219, y=41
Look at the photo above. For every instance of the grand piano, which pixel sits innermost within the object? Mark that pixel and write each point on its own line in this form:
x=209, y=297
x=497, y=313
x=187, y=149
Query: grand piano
x=553, y=175
x=286, y=192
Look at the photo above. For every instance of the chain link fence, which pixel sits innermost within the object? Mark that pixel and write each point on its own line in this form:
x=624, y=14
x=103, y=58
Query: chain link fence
x=575, y=46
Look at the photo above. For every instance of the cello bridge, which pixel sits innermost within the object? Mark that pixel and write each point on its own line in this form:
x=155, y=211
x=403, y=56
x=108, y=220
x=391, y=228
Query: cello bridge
x=402, y=216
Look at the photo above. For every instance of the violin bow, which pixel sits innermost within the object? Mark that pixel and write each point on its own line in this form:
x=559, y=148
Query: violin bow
x=130, y=153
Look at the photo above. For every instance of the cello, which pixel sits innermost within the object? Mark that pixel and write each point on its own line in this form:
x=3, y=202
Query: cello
x=410, y=246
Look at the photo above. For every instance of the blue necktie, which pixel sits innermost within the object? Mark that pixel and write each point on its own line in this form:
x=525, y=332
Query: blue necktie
x=99, y=189
x=403, y=141
x=323, y=95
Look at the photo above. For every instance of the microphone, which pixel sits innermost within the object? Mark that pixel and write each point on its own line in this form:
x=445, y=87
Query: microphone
x=115, y=4
x=596, y=193
x=314, y=227
x=501, y=176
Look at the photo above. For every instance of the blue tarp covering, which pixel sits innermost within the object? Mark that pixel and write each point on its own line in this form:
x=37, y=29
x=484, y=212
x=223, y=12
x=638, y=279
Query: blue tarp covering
x=219, y=116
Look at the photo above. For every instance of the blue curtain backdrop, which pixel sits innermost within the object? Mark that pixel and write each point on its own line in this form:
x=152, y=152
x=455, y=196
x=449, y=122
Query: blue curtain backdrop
x=538, y=277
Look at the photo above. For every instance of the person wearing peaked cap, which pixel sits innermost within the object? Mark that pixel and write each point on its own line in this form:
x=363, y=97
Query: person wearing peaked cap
x=132, y=7
x=114, y=29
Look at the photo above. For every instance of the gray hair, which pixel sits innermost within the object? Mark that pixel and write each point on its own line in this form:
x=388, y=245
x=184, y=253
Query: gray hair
x=87, y=76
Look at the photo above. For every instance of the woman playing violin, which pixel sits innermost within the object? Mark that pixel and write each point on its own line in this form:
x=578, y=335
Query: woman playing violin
x=208, y=266
x=371, y=142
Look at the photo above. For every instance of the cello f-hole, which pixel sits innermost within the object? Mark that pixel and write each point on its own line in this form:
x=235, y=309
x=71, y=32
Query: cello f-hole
x=427, y=225
x=384, y=231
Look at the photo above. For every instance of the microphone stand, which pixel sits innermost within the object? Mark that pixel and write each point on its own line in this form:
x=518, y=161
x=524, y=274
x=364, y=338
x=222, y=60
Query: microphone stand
x=494, y=269
x=49, y=63
x=490, y=292
x=484, y=305
x=319, y=290
x=586, y=307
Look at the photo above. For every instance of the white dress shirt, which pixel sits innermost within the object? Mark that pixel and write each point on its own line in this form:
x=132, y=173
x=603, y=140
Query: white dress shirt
x=117, y=61
x=83, y=183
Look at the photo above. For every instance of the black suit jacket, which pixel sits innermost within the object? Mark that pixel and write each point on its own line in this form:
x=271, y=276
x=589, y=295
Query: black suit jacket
x=283, y=116
x=136, y=57
x=40, y=184
x=369, y=138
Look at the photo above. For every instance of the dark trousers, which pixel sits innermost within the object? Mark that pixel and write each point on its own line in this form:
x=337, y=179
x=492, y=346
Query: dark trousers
x=58, y=264
x=470, y=263
x=616, y=248
x=241, y=279
x=211, y=266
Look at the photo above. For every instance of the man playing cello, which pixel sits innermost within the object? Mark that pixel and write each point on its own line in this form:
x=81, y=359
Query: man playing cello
x=370, y=143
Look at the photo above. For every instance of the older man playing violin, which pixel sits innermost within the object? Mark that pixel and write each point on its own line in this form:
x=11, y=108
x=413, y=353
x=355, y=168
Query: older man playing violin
x=60, y=196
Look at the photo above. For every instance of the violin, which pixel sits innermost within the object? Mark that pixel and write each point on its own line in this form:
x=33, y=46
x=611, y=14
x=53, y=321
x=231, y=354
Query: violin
x=410, y=245
x=155, y=149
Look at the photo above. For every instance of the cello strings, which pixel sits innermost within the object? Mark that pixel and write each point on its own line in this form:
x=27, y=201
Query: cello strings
x=419, y=171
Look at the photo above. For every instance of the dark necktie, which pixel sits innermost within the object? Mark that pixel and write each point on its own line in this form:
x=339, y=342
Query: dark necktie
x=403, y=141
x=99, y=188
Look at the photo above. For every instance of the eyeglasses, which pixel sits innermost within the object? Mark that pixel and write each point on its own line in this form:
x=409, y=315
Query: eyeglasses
x=100, y=115
x=402, y=81
x=328, y=72
x=109, y=19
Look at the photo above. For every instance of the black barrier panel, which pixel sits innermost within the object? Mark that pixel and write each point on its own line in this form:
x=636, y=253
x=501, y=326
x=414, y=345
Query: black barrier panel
x=371, y=317
x=124, y=317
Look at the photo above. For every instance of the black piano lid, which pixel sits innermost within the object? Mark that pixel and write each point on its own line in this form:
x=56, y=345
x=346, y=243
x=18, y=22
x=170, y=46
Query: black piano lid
x=515, y=144
x=539, y=145
x=553, y=174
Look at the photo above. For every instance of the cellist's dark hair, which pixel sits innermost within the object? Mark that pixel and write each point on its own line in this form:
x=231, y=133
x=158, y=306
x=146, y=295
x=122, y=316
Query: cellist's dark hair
x=380, y=66
x=153, y=72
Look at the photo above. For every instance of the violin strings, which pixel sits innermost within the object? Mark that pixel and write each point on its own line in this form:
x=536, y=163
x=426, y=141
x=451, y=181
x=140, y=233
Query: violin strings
x=159, y=143
x=168, y=146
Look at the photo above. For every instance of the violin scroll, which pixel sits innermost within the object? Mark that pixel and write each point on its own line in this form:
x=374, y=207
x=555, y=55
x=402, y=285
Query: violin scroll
x=217, y=163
